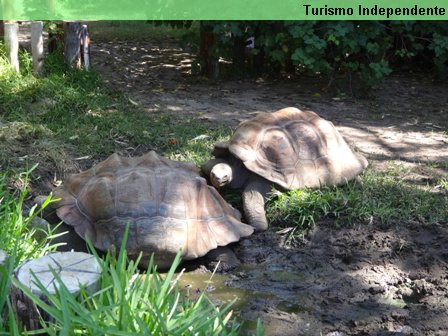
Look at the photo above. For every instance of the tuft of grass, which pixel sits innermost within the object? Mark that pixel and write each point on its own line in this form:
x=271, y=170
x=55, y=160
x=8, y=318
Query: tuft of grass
x=442, y=183
x=18, y=236
x=131, y=303
x=8, y=322
x=20, y=239
x=381, y=197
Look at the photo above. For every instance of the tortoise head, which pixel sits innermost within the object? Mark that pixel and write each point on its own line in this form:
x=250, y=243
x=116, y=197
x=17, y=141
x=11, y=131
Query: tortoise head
x=218, y=171
x=221, y=174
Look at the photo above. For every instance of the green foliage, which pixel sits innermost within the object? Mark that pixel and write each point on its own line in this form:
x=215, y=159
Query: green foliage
x=18, y=235
x=20, y=239
x=368, y=50
x=381, y=197
x=8, y=323
x=130, y=303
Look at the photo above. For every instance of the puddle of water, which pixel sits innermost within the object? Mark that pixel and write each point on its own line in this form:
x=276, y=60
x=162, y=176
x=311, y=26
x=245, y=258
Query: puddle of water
x=218, y=291
x=291, y=307
x=266, y=291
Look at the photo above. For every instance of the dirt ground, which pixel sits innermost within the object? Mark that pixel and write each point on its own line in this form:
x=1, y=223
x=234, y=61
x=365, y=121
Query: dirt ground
x=365, y=280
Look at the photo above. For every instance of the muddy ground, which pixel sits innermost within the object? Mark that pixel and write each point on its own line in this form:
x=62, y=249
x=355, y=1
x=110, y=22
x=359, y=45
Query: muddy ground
x=358, y=280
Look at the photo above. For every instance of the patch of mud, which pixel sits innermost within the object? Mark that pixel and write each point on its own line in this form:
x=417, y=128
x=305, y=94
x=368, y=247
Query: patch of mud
x=351, y=281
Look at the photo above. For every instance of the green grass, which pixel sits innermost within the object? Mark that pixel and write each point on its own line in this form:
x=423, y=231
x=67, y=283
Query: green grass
x=20, y=240
x=382, y=197
x=129, y=303
x=18, y=235
x=69, y=114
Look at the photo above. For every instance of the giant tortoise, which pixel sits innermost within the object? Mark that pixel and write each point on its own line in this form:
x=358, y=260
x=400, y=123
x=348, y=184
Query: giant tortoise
x=288, y=149
x=169, y=208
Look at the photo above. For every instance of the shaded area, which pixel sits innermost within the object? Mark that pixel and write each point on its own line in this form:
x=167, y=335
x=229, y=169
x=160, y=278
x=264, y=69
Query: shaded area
x=366, y=281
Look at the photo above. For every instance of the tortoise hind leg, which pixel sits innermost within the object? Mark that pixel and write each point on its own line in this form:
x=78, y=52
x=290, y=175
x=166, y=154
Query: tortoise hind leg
x=254, y=197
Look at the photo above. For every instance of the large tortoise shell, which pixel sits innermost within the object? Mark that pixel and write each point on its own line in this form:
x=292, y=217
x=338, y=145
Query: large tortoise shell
x=295, y=149
x=168, y=206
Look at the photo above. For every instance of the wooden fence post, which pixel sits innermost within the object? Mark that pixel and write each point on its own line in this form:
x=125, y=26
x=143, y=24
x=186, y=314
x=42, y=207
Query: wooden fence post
x=85, y=43
x=12, y=44
x=37, y=47
x=72, y=44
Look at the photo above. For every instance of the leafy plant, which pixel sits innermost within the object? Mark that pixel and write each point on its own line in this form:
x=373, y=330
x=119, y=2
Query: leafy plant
x=364, y=51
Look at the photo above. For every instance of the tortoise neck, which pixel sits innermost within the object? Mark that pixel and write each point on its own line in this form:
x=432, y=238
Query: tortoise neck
x=239, y=172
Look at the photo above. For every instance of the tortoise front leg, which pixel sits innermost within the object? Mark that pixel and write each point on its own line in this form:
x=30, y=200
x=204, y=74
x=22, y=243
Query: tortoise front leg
x=254, y=197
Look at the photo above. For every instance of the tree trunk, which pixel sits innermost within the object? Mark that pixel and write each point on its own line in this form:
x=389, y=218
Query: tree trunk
x=238, y=55
x=2, y=29
x=258, y=59
x=12, y=44
x=72, y=44
x=209, y=62
x=74, y=270
x=76, y=45
x=37, y=47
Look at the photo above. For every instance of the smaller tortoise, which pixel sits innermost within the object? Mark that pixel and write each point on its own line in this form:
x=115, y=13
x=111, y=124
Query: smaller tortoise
x=289, y=149
x=167, y=205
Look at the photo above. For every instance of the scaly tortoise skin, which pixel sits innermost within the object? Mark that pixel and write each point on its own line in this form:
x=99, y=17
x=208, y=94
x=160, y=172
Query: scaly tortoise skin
x=290, y=149
x=168, y=206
